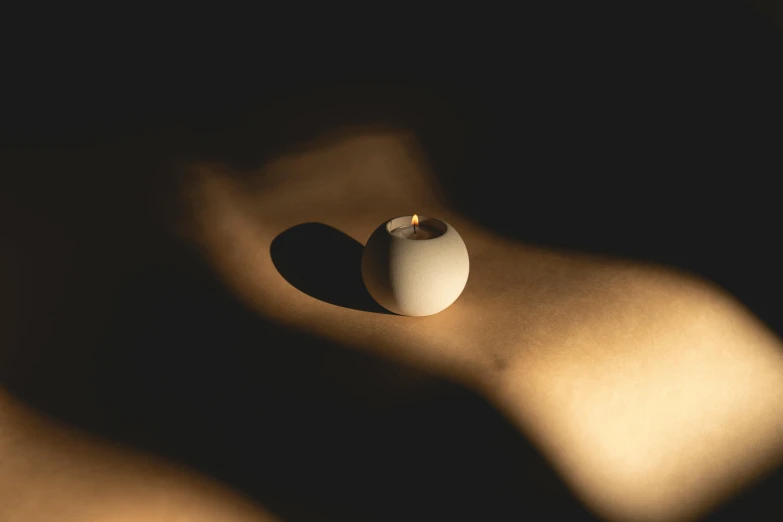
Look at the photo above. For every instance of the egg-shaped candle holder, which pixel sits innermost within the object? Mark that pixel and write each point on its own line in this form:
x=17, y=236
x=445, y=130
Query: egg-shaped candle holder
x=415, y=272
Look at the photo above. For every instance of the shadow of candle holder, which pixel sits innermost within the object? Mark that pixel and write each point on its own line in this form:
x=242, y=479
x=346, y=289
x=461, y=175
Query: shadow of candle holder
x=325, y=264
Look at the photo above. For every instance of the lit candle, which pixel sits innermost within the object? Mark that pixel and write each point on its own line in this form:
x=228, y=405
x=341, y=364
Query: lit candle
x=415, y=231
x=415, y=278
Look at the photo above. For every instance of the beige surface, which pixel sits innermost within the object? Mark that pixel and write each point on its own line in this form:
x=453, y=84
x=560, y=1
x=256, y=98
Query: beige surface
x=50, y=472
x=652, y=393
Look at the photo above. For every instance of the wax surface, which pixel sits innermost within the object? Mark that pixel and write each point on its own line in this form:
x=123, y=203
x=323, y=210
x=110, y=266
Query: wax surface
x=419, y=233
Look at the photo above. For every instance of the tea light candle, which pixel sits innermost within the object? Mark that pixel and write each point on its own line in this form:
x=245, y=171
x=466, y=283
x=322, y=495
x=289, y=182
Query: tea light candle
x=415, y=231
x=415, y=266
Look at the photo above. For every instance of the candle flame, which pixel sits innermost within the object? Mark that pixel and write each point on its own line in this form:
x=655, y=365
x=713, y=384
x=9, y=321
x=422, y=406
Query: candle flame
x=415, y=220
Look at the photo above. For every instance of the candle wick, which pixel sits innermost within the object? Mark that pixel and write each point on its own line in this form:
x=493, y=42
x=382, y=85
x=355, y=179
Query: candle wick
x=414, y=229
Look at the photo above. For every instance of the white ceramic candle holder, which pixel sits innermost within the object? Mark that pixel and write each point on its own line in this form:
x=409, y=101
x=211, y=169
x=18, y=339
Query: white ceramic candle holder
x=415, y=277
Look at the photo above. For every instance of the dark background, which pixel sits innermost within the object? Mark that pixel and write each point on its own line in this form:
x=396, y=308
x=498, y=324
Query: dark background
x=650, y=132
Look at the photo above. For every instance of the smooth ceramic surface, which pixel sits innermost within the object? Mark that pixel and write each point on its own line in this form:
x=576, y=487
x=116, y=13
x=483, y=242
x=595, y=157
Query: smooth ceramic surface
x=411, y=277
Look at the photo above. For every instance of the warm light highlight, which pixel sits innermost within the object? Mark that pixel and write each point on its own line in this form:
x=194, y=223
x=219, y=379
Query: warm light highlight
x=415, y=220
x=653, y=397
